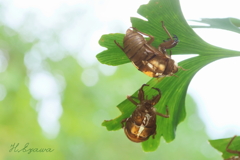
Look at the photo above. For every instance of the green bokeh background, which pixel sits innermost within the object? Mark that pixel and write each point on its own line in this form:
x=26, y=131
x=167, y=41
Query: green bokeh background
x=81, y=135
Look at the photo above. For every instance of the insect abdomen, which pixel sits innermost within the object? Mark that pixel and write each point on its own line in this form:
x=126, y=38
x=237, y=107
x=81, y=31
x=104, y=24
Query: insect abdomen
x=135, y=47
x=141, y=125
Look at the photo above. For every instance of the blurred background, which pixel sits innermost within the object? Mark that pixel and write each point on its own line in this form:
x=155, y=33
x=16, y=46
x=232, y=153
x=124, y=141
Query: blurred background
x=55, y=94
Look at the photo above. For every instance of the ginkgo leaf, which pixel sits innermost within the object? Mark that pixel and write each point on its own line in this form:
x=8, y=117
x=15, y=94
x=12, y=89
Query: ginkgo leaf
x=230, y=24
x=173, y=89
x=221, y=144
x=235, y=22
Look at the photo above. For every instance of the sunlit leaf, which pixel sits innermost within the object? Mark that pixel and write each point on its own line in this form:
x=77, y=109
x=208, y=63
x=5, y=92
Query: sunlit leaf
x=221, y=144
x=230, y=24
x=173, y=88
x=114, y=55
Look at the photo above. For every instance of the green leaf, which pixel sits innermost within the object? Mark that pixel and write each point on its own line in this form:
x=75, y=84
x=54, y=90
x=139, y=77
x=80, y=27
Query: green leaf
x=114, y=55
x=173, y=88
x=230, y=24
x=235, y=22
x=221, y=144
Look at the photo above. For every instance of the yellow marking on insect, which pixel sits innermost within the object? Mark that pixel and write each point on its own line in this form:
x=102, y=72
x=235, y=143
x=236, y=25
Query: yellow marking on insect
x=162, y=67
x=149, y=73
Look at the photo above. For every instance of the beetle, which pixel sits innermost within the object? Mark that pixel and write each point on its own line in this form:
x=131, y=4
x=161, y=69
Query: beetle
x=146, y=58
x=233, y=151
x=142, y=123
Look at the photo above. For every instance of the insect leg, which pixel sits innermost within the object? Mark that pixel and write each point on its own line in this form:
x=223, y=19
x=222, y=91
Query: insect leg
x=170, y=54
x=153, y=135
x=170, y=43
x=182, y=68
x=174, y=75
x=164, y=115
x=123, y=121
x=131, y=100
x=167, y=31
x=229, y=150
x=157, y=97
x=141, y=93
x=118, y=45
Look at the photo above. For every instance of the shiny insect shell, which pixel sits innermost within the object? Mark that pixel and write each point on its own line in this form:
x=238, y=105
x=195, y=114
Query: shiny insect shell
x=233, y=151
x=142, y=123
x=146, y=58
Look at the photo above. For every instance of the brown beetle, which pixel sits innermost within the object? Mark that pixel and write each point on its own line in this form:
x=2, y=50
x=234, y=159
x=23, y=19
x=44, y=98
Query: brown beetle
x=232, y=151
x=142, y=123
x=146, y=58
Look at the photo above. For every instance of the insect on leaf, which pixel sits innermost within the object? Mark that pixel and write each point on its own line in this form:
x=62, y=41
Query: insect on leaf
x=173, y=89
x=221, y=144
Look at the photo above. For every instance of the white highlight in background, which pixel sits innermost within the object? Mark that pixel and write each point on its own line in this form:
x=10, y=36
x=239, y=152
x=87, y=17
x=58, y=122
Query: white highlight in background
x=45, y=89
